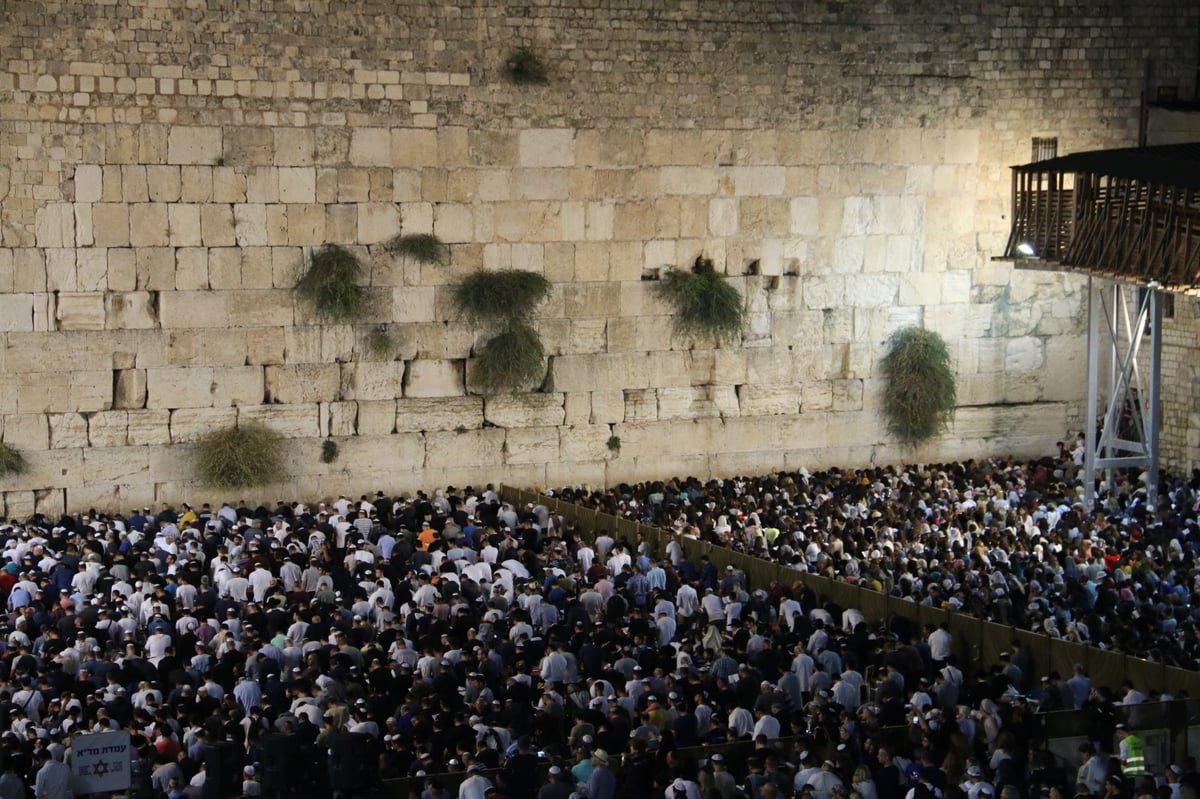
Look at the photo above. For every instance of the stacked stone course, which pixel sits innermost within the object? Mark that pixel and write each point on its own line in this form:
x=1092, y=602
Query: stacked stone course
x=165, y=168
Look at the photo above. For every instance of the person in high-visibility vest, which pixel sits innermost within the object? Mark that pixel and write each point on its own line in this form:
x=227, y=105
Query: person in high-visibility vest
x=1131, y=751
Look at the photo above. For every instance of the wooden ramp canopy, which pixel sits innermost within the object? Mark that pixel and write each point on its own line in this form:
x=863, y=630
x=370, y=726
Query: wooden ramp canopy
x=1132, y=216
x=1129, y=214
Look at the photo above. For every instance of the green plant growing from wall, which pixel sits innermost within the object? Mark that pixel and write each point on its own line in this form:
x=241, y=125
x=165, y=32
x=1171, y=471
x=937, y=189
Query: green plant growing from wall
x=331, y=284
x=379, y=344
x=12, y=462
x=706, y=304
x=240, y=456
x=524, y=68
x=920, y=393
x=424, y=248
x=514, y=359
x=329, y=451
x=614, y=444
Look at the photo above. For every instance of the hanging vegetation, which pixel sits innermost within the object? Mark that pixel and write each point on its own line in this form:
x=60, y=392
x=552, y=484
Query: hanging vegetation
x=510, y=361
x=525, y=68
x=706, y=304
x=240, y=456
x=424, y=248
x=329, y=451
x=11, y=461
x=920, y=393
x=506, y=295
x=380, y=344
x=514, y=359
x=331, y=284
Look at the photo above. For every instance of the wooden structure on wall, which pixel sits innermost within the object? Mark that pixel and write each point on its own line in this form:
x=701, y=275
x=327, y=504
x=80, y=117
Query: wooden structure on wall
x=1130, y=220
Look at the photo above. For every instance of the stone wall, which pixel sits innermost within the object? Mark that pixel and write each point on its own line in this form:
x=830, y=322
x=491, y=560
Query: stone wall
x=166, y=168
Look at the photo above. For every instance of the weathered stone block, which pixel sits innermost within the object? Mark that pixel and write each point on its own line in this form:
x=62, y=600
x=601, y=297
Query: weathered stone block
x=192, y=424
x=130, y=311
x=762, y=400
x=290, y=421
x=450, y=413
x=238, y=385
x=377, y=222
x=80, y=311
x=67, y=430
x=294, y=147
x=108, y=429
x=16, y=313
x=477, y=448
x=434, y=378
x=217, y=228
x=110, y=224
x=29, y=432
x=524, y=410
x=372, y=380
x=376, y=417
x=193, y=145
x=149, y=427
x=88, y=183
x=303, y=383
x=608, y=406
x=168, y=387
x=370, y=147
x=531, y=445
x=129, y=390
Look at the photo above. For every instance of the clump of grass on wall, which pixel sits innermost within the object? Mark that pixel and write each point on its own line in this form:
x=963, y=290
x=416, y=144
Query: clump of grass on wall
x=240, y=456
x=920, y=392
x=514, y=359
x=706, y=304
x=380, y=344
x=329, y=451
x=11, y=461
x=331, y=284
x=505, y=295
x=424, y=248
x=525, y=68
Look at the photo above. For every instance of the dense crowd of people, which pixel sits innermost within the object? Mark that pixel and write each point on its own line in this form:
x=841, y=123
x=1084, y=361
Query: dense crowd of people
x=497, y=651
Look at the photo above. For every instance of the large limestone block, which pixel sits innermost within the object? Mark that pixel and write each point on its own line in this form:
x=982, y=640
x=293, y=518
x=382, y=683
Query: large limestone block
x=148, y=225
x=116, y=465
x=294, y=147
x=608, y=406
x=67, y=430
x=129, y=390
x=27, y=431
x=1026, y=353
x=764, y=400
x=16, y=313
x=290, y=421
x=414, y=147
x=577, y=409
x=525, y=410
x=377, y=222
x=217, y=225
x=585, y=443
x=193, y=424
x=685, y=402
x=531, y=445
x=108, y=429
x=88, y=183
x=641, y=405
x=682, y=437
x=193, y=145
x=110, y=224
x=372, y=380
x=451, y=413
x=206, y=348
x=170, y=387
x=382, y=459
x=303, y=383
x=376, y=417
x=434, y=378
x=149, y=427
x=598, y=370
x=52, y=468
x=80, y=311
x=133, y=310
x=543, y=147
x=238, y=385
x=473, y=448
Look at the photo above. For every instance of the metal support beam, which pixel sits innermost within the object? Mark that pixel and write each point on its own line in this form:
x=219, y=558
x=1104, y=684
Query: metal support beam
x=1120, y=319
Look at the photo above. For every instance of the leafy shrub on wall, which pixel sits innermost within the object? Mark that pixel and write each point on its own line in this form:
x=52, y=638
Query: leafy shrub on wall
x=514, y=359
x=331, y=284
x=11, y=461
x=706, y=304
x=240, y=456
x=920, y=392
